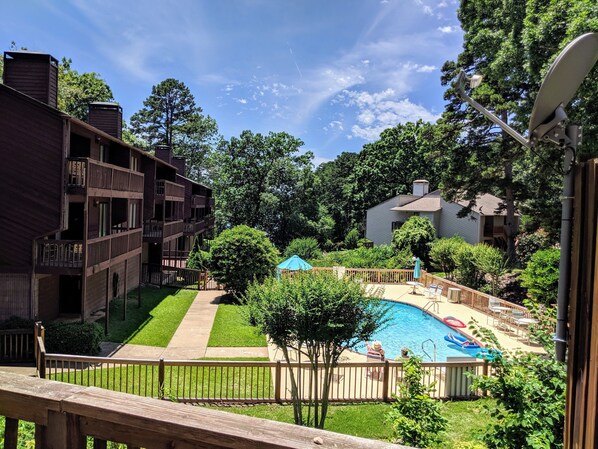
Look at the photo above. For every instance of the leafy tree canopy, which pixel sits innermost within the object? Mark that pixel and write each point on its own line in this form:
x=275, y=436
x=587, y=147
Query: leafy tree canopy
x=241, y=255
x=416, y=235
x=171, y=117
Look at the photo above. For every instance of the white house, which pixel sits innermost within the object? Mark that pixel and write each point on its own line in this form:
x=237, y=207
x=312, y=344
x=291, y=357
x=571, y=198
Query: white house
x=485, y=223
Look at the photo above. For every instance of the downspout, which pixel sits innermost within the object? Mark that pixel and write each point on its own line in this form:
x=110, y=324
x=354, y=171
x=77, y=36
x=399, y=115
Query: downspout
x=561, y=336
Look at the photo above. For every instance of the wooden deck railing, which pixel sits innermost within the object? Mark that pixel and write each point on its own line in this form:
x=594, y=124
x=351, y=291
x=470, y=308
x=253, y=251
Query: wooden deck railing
x=194, y=227
x=60, y=253
x=162, y=229
x=88, y=173
x=198, y=200
x=65, y=415
x=252, y=382
x=171, y=191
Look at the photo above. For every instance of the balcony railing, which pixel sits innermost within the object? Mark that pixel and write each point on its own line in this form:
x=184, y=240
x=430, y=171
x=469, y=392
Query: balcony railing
x=155, y=229
x=209, y=221
x=198, y=200
x=194, y=227
x=65, y=415
x=70, y=253
x=211, y=201
x=171, y=191
x=90, y=174
x=60, y=253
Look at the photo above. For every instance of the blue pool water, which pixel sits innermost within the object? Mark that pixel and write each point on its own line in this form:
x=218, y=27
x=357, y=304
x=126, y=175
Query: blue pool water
x=409, y=327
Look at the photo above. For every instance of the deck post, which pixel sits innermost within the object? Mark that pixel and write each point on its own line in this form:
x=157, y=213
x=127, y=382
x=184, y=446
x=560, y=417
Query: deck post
x=161, y=379
x=107, y=301
x=11, y=430
x=139, y=281
x=125, y=294
x=385, y=395
x=277, y=381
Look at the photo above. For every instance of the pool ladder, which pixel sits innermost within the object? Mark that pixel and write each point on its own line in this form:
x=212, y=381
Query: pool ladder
x=431, y=305
x=424, y=350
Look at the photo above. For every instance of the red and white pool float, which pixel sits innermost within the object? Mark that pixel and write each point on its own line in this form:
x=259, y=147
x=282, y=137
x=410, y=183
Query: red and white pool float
x=453, y=322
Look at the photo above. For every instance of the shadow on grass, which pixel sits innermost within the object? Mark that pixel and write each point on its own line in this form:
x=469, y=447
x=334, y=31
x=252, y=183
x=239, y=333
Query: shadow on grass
x=138, y=317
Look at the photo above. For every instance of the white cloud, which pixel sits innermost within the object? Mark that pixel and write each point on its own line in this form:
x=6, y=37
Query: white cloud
x=425, y=68
x=381, y=110
x=241, y=100
x=334, y=125
x=448, y=29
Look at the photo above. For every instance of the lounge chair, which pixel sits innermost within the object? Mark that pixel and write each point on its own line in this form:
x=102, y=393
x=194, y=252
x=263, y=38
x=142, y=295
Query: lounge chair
x=431, y=291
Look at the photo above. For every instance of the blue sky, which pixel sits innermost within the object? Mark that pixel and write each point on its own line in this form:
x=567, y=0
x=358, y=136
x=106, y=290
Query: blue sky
x=333, y=73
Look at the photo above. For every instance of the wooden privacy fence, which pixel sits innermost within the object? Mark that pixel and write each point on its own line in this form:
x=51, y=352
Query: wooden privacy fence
x=65, y=416
x=252, y=382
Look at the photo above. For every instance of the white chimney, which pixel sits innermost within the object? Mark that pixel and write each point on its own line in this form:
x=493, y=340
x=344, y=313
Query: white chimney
x=421, y=187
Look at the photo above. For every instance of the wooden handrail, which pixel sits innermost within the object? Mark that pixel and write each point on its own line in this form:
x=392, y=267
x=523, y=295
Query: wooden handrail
x=66, y=414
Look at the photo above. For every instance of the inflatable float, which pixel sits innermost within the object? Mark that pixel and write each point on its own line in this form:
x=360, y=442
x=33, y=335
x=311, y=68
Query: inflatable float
x=461, y=341
x=453, y=322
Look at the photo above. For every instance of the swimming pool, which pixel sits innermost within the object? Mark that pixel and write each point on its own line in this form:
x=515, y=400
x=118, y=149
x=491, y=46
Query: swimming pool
x=409, y=327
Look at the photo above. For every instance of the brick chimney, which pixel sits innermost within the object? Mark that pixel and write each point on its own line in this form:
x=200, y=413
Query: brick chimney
x=34, y=74
x=164, y=153
x=421, y=187
x=107, y=117
x=180, y=163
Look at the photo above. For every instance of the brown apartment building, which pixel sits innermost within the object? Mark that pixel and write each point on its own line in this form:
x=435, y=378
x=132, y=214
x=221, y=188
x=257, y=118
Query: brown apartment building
x=82, y=212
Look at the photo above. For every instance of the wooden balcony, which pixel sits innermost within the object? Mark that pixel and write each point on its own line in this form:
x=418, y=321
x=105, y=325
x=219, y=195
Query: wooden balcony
x=494, y=231
x=69, y=255
x=194, y=227
x=158, y=231
x=96, y=178
x=211, y=201
x=169, y=191
x=198, y=200
x=65, y=415
x=209, y=222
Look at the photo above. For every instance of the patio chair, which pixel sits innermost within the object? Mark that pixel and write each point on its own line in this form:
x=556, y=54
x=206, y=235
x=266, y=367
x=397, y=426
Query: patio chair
x=438, y=295
x=495, y=310
x=431, y=291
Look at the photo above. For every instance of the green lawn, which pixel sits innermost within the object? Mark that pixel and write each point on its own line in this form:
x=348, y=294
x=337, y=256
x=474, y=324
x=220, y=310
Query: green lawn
x=230, y=328
x=466, y=419
x=179, y=381
x=155, y=322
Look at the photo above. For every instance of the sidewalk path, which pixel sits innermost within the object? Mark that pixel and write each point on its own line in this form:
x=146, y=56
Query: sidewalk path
x=190, y=341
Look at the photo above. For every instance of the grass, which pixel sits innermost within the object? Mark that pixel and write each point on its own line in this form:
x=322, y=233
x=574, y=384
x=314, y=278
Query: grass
x=155, y=322
x=230, y=329
x=466, y=419
x=179, y=381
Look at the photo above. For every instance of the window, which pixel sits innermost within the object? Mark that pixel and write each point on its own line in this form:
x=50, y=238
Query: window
x=133, y=222
x=103, y=221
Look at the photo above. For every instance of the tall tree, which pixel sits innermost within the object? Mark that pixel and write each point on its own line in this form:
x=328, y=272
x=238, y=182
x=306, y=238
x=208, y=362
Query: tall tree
x=263, y=182
x=482, y=160
x=76, y=90
x=334, y=181
x=389, y=166
x=171, y=117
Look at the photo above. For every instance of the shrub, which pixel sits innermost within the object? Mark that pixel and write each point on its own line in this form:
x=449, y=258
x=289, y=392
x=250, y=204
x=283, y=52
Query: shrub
x=381, y=256
x=73, y=338
x=529, y=243
x=443, y=254
x=416, y=418
x=241, y=255
x=541, y=276
x=352, y=239
x=365, y=243
x=198, y=259
x=306, y=248
x=415, y=236
x=492, y=262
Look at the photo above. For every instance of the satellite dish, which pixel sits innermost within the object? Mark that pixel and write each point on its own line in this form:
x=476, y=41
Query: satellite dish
x=564, y=77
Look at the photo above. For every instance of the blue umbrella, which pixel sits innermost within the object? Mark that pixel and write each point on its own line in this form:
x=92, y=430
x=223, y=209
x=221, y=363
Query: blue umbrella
x=294, y=263
x=417, y=268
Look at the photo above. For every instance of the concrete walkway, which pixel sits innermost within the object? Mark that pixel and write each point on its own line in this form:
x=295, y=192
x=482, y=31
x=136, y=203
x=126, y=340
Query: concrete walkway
x=190, y=341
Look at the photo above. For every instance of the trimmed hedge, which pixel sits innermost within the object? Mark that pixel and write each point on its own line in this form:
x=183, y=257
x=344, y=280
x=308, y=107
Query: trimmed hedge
x=73, y=338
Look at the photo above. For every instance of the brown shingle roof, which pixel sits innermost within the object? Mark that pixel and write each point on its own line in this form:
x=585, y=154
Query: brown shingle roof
x=426, y=203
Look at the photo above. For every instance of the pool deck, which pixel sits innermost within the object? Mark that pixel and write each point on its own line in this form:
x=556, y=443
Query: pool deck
x=404, y=293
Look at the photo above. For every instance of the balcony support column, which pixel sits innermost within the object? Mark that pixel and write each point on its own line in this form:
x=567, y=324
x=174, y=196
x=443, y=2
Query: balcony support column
x=140, y=278
x=107, y=301
x=125, y=295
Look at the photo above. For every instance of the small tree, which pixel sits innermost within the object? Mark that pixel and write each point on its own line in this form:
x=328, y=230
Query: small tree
x=492, y=262
x=306, y=248
x=241, y=255
x=318, y=316
x=198, y=259
x=352, y=239
x=416, y=418
x=415, y=235
x=541, y=276
x=443, y=253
